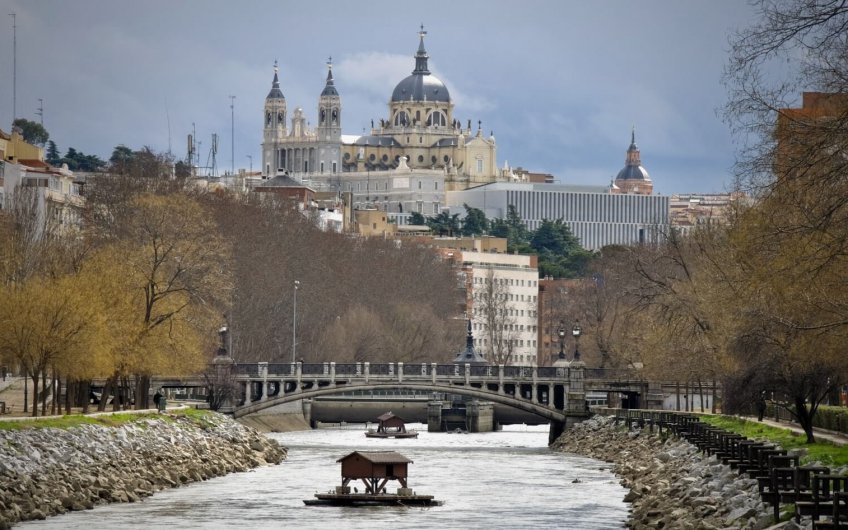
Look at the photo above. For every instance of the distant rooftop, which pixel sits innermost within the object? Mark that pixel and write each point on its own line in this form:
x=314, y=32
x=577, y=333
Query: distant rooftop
x=540, y=186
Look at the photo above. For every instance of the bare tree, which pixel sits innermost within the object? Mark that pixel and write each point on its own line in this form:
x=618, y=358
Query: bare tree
x=493, y=310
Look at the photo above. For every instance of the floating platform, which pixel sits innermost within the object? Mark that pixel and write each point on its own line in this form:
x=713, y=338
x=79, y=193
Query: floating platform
x=391, y=426
x=368, y=499
x=391, y=434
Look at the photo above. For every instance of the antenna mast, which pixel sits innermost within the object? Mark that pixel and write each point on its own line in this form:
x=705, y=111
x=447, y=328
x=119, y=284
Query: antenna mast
x=40, y=111
x=232, y=136
x=14, y=66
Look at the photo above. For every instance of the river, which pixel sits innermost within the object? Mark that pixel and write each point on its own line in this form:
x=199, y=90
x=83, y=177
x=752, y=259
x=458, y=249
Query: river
x=506, y=479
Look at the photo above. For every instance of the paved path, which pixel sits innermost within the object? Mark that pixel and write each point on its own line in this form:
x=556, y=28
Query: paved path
x=820, y=434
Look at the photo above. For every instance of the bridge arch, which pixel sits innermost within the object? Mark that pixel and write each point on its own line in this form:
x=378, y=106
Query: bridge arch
x=548, y=413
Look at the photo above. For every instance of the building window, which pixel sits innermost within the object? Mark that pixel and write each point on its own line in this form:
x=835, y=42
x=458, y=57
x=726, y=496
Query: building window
x=479, y=165
x=334, y=167
x=322, y=166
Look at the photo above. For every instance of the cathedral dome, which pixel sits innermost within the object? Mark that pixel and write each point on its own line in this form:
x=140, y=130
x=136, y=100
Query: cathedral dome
x=633, y=173
x=633, y=169
x=421, y=85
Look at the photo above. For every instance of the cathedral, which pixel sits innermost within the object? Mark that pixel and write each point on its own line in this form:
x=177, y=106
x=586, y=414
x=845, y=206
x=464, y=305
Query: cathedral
x=420, y=133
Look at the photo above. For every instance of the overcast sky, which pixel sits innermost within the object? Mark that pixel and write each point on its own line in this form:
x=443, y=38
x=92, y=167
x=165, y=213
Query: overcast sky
x=560, y=83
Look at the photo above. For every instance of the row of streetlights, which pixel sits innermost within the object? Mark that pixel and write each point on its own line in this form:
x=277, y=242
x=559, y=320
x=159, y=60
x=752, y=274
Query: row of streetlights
x=575, y=332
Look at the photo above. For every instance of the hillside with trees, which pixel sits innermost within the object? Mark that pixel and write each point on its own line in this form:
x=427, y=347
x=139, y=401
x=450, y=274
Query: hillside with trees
x=161, y=265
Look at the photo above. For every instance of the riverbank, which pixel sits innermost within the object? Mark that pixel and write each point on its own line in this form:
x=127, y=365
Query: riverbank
x=671, y=483
x=49, y=471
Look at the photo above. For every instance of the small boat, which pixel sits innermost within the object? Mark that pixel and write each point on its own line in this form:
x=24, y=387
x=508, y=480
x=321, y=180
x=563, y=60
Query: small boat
x=375, y=469
x=391, y=426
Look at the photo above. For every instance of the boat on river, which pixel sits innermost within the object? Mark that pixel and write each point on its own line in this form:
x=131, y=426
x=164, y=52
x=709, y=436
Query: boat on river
x=391, y=426
x=375, y=469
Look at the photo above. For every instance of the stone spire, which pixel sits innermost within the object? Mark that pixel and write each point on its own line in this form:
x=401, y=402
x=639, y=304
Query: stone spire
x=421, y=56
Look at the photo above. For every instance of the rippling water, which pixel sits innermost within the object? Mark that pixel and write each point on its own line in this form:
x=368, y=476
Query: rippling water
x=506, y=479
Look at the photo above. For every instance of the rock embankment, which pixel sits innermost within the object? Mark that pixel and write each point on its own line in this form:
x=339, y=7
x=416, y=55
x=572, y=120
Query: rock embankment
x=48, y=471
x=671, y=483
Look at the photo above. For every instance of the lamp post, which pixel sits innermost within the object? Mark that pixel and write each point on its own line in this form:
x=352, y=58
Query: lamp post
x=222, y=333
x=561, y=333
x=250, y=157
x=294, y=320
x=576, y=332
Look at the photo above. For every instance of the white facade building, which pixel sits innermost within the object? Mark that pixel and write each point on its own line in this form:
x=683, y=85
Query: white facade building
x=59, y=201
x=517, y=282
x=597, y=216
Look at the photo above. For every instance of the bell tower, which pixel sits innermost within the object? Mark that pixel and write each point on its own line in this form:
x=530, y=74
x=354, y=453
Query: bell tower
x=329, y=109
x=274, y=129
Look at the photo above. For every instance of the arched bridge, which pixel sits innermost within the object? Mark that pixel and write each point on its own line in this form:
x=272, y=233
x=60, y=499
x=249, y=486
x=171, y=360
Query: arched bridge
x=554, y=393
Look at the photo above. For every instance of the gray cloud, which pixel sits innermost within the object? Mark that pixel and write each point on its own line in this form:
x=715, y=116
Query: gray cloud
x=559, y=82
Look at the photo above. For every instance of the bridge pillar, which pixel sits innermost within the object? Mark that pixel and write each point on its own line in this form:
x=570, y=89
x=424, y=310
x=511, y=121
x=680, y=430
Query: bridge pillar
x=480, y=416
x=433, y=372
x=434, y=416
x=299, y=376
x=400, y=372
x=263, y=372
x=332, y=374
x=467, y=374
x=367, y=370
x=535, y=395
x=501, y=379
x=555, y=430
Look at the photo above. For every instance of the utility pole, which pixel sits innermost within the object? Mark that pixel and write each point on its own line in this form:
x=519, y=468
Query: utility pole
x=232, y=135
x=40, y=110
x=14, y=66
x=249, y=157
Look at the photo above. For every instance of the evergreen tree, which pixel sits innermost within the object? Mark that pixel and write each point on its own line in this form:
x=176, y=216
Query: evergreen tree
x=475, y=222
x=53, y=157
x=416, y=218
x=444, y=224
x=32, y=131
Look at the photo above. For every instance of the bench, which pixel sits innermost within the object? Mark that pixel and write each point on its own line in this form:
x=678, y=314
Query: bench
x=839, y=515
x=823, y=490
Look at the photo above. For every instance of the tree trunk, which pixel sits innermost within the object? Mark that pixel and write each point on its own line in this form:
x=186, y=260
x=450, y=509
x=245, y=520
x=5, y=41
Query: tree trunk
x=715, y=394
x=35, y=395
x=69, y=387
x=85, y=392
x=108, y=388
x=677, y=386
x=55, y=401
x=701, y=394
x=805, y=419
x=44, y=392
x=26, y=389
x=142, y=392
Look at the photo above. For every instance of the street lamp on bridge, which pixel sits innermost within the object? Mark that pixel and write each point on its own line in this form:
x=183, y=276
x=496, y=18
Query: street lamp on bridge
x=561, y=339
x=576, y=332
x=294, y=320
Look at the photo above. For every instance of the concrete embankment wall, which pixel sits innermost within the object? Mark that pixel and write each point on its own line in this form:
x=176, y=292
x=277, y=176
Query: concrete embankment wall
x=672, y=484
x=281, y=418
x=49, y=471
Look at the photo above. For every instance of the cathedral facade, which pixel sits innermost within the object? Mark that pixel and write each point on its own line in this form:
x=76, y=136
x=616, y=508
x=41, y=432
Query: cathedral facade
x=420, y=128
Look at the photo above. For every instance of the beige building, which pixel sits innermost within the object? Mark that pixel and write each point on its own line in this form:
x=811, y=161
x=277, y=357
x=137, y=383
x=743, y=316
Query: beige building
x=689, y=210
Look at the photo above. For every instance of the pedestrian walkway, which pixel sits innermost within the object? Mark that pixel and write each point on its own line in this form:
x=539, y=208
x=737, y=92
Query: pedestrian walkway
x=837, y=438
